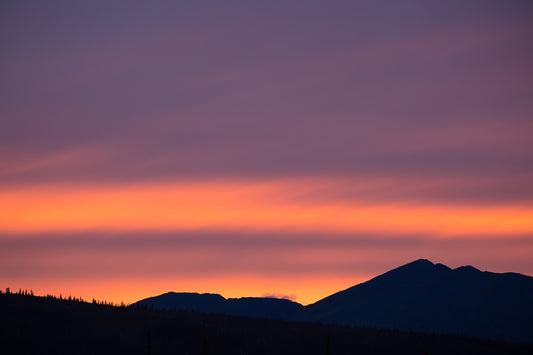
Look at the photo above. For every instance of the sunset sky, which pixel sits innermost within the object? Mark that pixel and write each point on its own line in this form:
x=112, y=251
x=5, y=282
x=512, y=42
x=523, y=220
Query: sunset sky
x=281, y=148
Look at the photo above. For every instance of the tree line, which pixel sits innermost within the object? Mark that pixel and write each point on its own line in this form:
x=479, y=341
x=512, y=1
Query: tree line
x=30, y=293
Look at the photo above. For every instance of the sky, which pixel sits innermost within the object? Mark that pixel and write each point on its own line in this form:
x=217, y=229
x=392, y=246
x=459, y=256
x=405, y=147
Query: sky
x=284, y=148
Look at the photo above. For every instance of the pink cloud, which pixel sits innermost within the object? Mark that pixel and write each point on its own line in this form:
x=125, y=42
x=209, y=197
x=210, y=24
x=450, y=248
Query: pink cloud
x=280, y=296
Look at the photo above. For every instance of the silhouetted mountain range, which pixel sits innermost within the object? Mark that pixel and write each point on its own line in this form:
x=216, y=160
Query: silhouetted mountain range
x=419, y=296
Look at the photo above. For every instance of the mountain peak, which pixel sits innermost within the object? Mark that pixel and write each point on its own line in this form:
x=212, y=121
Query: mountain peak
x=421, y=262
x=417, y=266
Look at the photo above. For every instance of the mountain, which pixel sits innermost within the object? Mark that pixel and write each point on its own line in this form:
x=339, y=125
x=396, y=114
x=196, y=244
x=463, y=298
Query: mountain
x=419, y=296
x=423, y=296
x=257, y=307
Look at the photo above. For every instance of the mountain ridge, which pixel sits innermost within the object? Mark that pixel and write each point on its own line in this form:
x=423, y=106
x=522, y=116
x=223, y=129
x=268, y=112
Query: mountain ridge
x=258, y=307
x=418, y=296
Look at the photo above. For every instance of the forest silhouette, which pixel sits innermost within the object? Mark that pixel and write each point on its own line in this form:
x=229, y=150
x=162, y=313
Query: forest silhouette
x=70, y=325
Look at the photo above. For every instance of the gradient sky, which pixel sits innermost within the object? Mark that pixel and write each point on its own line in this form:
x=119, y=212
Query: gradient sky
x=286, y=148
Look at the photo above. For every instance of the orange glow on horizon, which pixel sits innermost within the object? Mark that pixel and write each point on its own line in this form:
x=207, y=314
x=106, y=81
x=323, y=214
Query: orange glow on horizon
x=240, y=205
x=307, y=289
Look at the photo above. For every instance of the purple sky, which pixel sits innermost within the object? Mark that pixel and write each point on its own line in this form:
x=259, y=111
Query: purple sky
x=428, y=103
x=420, y=89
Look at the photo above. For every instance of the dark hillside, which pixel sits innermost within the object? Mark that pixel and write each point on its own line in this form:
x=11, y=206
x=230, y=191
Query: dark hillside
x=41, y=325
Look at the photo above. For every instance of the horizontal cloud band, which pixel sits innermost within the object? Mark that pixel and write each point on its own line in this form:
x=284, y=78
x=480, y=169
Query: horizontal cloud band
x=295, y=205
x=205, y=259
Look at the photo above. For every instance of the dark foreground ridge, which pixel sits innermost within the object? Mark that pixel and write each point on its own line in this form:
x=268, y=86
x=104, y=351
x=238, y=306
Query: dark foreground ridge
x=45, y=325
x=419, y=296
